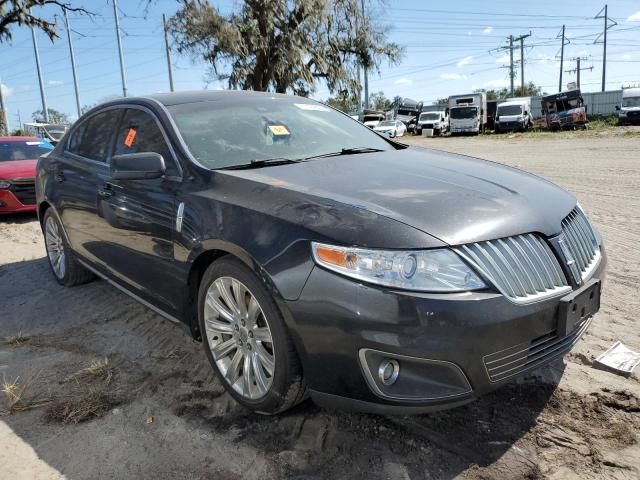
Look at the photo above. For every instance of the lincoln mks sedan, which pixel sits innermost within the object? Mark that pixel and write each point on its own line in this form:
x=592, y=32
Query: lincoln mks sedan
x=316, y=258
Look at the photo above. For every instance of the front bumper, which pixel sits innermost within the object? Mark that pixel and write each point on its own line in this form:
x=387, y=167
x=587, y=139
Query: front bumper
x=442, y=342
x=508, y=126
x=10, y=203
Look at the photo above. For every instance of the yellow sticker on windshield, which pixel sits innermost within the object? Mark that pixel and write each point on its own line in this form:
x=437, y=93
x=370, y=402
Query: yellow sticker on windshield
x=279, y=130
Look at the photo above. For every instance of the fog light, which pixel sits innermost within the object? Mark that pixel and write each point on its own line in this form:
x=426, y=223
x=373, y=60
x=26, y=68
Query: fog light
x=388, y=371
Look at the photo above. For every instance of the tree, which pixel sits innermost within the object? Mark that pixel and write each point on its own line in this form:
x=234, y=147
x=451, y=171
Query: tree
x=344, y=102
x=18, y=12
x=284, y=46
x=530, y=90
x=441, y=101
x=54, y=116
x=379, y=102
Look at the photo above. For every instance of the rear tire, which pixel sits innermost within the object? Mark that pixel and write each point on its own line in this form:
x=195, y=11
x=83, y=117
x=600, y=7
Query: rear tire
x=246, y=341
x=65, y=268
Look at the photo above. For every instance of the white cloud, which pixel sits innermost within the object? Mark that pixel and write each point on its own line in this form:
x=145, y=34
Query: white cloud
x=6, y=91
x=465, y=61
x=55, y=82
x=634, y=18
x=452, y=76
x=627, y=56
x=403, y=81
x=544, y=58
x=487, y=30
x=498, y=83
x=503, y=59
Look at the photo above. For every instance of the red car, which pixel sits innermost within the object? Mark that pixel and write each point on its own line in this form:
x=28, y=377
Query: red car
x=18, y=159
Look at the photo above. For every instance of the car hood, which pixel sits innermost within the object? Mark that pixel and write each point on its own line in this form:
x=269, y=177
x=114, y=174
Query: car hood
x=455, y=198
x=18, y=169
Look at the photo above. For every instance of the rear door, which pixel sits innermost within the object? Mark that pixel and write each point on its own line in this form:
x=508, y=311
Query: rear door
x=77, y=174
x=140, y=215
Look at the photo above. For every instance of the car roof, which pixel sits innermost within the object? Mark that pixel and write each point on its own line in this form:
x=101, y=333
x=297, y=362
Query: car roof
x=176, y=98
x=20, y=139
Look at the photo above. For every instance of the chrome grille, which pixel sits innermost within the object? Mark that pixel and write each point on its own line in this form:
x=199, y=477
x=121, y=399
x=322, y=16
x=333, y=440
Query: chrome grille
x=522, y=267
x=581, y=241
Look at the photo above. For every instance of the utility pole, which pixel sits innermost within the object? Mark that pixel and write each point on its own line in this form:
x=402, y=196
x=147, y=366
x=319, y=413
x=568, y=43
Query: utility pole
x=124, y=80
x=366, y=75
x=578, y=69
x=511, y=72
x=521, y=39
x=73, y=62
x=166, y=48
x=561, y=58
x=45, y=110
x=608, y=23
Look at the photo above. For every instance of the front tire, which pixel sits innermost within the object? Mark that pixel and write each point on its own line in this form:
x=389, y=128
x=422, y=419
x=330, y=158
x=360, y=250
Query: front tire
x=64, y=266
x=246, y=341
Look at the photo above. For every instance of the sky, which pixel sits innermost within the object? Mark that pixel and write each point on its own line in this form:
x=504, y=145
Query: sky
x=451, y=48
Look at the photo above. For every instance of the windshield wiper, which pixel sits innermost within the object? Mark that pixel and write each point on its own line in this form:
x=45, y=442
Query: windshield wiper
x=267, y=162
x=347, y=151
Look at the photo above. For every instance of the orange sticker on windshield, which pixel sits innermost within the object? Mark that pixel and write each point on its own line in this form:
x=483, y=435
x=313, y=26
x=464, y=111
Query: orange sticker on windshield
x=279, y=130
x=131, y=135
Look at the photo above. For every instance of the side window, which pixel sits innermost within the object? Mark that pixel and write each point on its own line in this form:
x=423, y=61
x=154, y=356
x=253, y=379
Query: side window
x=139, y=132
x=92, y=138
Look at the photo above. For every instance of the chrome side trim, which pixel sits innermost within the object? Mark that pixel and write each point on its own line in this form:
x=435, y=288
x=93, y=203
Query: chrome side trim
x=179, y=217
x=131, y=294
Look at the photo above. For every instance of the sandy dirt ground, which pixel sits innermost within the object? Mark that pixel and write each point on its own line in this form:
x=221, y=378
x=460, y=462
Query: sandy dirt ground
x=156, y=410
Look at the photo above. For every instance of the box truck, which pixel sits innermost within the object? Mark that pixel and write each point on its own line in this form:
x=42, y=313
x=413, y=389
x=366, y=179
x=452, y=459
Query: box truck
x=629, y=108
x=468, y=113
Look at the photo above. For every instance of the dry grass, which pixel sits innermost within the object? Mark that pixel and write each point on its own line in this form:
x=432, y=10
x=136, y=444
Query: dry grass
x=99, y=370
x=81, y=407
x=16, y=398
x=18, y=339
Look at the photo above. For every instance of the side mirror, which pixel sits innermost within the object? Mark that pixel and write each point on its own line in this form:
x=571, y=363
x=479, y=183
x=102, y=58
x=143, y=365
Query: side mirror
x=137, y=166
x=617, y=107
x=526, y=113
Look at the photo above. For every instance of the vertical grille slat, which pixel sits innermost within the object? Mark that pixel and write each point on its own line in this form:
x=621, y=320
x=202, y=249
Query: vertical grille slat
x=581, y=241
x=525, y=269
x=522, y=267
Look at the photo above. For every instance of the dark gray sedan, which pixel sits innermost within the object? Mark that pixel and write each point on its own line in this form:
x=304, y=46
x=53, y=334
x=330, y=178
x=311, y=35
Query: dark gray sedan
x=313, y=256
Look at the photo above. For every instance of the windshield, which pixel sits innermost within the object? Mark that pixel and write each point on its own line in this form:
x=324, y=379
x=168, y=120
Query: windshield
x=229, y=132
x=463, y=112
x=631, y=102
x=407, y=112
x=23, y=150
x=430, y=116
x=387, y=123
x=510, y=110
x=371, y=118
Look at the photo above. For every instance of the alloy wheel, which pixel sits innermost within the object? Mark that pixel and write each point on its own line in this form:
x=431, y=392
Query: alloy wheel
x=55, y=247
x=239, y=337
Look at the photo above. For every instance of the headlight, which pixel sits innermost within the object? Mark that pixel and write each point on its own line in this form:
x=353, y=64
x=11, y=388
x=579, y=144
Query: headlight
x=4, y=184
x=438, y=270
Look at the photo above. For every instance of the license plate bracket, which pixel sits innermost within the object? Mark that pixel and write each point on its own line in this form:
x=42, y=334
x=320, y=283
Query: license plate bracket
x=578, y=306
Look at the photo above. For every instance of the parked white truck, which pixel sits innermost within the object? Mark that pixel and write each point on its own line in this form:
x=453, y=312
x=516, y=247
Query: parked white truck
x=468, y=113
x=514, y=114
x=629, y=108
x=437, y=120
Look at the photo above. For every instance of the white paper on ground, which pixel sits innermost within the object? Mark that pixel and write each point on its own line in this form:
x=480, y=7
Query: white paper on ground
x=620, y=358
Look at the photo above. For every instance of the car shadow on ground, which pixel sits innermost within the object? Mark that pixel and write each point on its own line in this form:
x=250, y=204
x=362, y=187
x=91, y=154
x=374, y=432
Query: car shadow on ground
x=160, y=373
x=18, y=218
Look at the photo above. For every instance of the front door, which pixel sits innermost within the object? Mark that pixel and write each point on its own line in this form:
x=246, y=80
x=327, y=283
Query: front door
x=140, y=216
x=78, y=172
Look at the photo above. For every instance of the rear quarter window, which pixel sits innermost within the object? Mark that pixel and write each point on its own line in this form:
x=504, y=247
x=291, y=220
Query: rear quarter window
x=92, y=138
